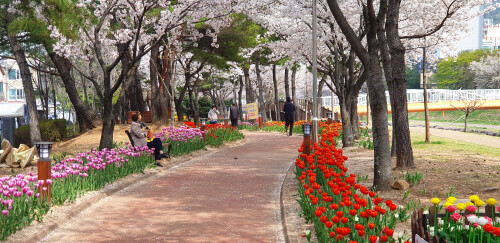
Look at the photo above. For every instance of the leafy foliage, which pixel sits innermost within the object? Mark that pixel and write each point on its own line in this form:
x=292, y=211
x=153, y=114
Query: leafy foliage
x=455, y=73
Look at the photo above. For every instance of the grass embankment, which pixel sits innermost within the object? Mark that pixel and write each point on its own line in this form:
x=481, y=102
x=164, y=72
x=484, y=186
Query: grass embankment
x=484, y=117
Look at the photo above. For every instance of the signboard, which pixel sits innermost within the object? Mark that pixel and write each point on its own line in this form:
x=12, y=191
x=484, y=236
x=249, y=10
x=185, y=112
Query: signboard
x=253, y=111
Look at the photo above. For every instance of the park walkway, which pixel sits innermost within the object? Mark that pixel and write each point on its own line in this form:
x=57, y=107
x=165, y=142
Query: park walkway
x=474, y=138
x=228, y=196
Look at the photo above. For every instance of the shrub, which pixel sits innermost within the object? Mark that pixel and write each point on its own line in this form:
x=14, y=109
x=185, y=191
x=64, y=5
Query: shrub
x=50, y=130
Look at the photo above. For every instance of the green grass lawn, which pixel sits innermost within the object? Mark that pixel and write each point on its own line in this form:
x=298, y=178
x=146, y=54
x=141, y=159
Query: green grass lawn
x=485, y=117
x=444, y=144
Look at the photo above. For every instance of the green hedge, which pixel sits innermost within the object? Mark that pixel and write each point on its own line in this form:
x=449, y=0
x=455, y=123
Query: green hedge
x=50, y=130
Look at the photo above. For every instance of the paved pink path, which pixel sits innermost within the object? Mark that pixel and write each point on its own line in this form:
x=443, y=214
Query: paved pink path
x=228, y=196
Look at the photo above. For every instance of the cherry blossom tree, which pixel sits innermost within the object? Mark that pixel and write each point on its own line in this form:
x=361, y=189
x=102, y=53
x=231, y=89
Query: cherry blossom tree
x=114, y=30
x=487, y=72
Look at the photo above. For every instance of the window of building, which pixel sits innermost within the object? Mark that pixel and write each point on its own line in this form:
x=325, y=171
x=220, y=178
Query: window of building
x=14, y=74
x=1, y=87
x=12, y=94
x=20, y=94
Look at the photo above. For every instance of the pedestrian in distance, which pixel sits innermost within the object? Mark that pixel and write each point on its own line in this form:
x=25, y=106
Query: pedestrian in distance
x=234, y=113
x=212, y=115
x=289, y=109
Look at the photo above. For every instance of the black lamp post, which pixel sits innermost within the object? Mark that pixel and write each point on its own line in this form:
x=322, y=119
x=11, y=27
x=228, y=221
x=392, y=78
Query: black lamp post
x=307, y=138
x=44, y=169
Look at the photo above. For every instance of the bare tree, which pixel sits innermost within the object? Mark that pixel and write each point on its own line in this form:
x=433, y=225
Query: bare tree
x=468, y=106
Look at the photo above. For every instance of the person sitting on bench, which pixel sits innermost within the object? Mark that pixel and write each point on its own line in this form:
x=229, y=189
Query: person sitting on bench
x=139, y=133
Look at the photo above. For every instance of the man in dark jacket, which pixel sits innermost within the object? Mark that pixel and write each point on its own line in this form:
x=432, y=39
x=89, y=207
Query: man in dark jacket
x=234, y=113
x=289, y=110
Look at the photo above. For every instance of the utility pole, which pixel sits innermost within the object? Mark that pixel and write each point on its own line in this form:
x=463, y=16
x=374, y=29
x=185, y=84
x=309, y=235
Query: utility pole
x=426, y=109
x=314, y=71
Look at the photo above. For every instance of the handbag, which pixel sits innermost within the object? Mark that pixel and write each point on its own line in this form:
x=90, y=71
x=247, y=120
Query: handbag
x=150, y=136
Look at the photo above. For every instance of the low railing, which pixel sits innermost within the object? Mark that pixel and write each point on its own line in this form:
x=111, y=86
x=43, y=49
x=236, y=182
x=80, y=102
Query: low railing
x=433, y=95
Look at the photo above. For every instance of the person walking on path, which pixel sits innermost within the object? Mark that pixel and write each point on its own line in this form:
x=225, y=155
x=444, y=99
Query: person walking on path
x=212, y=115
x=234, y=113
x=289, y=109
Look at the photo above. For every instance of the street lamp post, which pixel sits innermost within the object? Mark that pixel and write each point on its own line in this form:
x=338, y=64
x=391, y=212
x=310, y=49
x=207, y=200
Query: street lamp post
x=307, y=138
x=44, y=169
x=314, y=71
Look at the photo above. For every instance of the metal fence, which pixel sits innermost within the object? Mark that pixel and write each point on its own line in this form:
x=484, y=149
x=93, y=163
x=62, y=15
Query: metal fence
x=433, y=95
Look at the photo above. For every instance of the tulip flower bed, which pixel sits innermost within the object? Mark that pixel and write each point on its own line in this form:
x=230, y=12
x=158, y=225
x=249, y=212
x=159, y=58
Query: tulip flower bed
x=275, y=126
x=21, y=204
x=248, y=126
x=218, y=133
x=366, y=138
x=341, y=209
x=187, y=139
x=463, y=222
x=184, y=140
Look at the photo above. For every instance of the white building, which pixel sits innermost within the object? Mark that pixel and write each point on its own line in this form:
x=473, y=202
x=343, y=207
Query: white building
x=491, y=35
x=11, y=85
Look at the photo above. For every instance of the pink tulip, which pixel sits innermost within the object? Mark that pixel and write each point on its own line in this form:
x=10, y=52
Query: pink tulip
x=451, y=209
x=5, y=212
x=471, y=208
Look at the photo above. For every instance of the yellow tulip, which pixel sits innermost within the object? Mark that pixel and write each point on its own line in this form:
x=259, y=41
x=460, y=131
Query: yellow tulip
x=474, y=198
x=469, y=204
x=479, y=203
x=461, y=206
x=435, y=201
x=491, y=202
x=447, y=204
x=451, y=200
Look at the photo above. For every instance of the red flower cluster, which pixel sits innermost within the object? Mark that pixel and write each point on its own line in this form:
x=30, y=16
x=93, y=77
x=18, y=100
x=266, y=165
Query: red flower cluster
x=330, y=196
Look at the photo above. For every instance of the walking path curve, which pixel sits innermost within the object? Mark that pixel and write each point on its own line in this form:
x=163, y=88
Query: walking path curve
x=479, y=139
x=232, y=195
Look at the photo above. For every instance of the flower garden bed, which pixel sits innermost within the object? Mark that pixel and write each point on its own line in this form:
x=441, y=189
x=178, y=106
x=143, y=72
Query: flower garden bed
x=341, y=209
x=20, y=203
x=463, y=222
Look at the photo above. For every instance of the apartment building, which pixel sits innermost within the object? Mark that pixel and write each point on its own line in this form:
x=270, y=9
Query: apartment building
x=11, y=85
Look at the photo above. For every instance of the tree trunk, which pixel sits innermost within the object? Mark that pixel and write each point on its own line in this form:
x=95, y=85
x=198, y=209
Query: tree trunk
x=178, y=101
x=347, y=135
x=240, y=91
x=84, y=87
x=248, y=86
x=276, y=98
x=87, y=118
x=154, y=62
x=401, y=126
x=108, y=124
x=54, y=98
x=287, y=85
x=28, y=88
x=261, y=89
x=165, y=86
x=466, y=118
x=378, y=105
x=354, y=115
x=294, y=97
x=385, y=56
x=319, y=99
